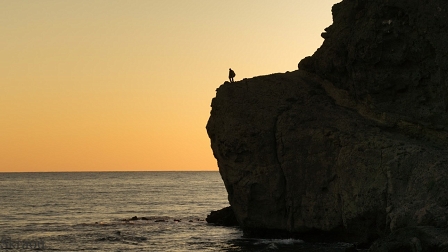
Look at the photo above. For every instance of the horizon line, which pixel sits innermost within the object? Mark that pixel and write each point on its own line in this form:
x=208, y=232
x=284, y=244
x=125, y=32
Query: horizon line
x=109, y=171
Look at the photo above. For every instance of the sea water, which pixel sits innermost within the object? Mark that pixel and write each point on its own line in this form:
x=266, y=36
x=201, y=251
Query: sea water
x=92, y=211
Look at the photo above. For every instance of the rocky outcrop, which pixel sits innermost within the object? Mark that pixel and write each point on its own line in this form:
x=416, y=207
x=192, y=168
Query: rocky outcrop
x=352, y=147
x=223, y=217
x=390, y=55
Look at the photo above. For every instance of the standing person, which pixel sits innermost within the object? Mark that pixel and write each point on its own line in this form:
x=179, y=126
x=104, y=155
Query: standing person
x=231, y=74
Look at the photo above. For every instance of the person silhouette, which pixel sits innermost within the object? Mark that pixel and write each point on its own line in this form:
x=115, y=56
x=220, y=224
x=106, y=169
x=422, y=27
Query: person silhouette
x=231, y=75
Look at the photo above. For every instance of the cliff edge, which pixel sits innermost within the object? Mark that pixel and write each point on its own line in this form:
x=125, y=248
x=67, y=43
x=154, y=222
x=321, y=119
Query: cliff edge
x=351, y=147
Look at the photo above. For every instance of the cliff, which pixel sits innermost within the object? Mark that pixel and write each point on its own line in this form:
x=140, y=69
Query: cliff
x=351, y=147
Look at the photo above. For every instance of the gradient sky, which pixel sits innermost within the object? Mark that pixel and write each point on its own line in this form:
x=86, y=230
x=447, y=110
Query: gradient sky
x=126, y=85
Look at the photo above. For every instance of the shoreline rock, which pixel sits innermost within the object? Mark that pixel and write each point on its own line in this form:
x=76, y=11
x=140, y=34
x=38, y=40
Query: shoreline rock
x=222, y=217
x=353, y=145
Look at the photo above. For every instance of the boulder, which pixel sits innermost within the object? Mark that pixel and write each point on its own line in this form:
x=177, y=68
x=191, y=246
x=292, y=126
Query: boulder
x=223, y=217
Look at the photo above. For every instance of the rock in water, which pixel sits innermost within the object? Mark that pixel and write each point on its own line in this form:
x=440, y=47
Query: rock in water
x=352, y=147
x=223, y=217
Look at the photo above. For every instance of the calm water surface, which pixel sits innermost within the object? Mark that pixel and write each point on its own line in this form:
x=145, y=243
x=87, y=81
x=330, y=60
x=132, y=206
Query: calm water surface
x=91, y=212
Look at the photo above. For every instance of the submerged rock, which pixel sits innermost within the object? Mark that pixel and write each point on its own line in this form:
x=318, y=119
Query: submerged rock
x=352, y=147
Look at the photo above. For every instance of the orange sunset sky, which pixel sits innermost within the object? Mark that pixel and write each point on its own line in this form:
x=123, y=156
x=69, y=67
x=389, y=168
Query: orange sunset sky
x=126, y=85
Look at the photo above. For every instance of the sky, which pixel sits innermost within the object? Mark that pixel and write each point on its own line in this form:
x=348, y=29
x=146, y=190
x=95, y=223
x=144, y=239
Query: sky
x=126, y=85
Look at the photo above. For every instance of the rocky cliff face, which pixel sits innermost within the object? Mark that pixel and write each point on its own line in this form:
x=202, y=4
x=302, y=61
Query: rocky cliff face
x=352, y=146
x=390, y=55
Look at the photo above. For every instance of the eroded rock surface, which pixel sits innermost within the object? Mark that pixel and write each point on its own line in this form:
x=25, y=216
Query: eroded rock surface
x=353, y=146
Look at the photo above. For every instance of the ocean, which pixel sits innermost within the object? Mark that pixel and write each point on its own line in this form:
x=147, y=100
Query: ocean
x=93, y=211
